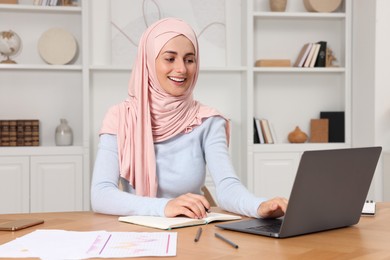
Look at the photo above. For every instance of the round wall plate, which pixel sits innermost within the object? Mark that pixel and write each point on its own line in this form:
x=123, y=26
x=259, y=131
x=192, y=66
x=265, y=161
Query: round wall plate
x=324, y=6
x=57, y=46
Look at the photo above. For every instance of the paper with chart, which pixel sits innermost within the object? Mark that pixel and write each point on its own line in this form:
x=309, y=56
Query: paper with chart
x=61, y=244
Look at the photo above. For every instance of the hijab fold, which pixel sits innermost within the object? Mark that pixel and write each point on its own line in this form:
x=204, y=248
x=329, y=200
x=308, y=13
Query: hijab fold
x=149, y=114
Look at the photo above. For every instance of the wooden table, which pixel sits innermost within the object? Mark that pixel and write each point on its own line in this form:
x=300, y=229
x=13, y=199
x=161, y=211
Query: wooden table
x=369, y=239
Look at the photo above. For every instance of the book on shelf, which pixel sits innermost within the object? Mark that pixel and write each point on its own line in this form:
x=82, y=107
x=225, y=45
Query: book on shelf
x=256, y=139
x=321, y=57
x=303, y=55
x=310, y=56
x=315, y=55
x=336, y=125
x=273, y=133
x=19, y=132
x=319, y=130
x=176, y=222
x=259, y=131
x=273, y=63
x=266, y=131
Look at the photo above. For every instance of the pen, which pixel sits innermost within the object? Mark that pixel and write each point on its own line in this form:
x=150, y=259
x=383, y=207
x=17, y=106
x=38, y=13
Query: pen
x=226, y=240
x=197, y=237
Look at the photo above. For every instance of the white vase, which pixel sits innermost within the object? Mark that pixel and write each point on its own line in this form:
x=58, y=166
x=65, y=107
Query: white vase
x=64, y=134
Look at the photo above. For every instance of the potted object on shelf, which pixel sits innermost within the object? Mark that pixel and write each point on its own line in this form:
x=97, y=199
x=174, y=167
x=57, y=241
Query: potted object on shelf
x=64, y=134
x=278, y=5
x=297, y=136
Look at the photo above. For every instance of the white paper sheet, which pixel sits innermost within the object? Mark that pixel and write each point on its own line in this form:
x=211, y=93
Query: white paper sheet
x=61, y=244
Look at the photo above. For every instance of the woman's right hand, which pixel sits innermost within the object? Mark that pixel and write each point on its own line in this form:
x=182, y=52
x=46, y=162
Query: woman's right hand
x=190, y=205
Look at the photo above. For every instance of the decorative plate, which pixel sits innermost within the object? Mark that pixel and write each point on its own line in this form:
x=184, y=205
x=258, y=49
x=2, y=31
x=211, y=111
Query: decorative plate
x=57, y=46
x=324, y=6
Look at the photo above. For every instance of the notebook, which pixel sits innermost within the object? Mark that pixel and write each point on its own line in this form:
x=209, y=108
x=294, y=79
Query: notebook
x=176, y=222
x=329, y=192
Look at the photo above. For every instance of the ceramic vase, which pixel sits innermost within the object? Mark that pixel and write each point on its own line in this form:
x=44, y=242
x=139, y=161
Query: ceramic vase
x=278, y=5
x=297, y=136
x=64, y=134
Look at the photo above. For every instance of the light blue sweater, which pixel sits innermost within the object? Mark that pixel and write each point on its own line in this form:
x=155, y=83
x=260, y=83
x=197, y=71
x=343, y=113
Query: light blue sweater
x=181, y=168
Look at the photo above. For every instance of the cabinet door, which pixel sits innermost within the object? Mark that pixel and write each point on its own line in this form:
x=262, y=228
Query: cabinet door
x=274, y=174
x=56, y=183
x=14, y=185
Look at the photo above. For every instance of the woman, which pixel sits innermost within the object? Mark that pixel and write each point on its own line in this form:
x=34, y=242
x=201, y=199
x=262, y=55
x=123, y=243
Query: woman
x=157, y=142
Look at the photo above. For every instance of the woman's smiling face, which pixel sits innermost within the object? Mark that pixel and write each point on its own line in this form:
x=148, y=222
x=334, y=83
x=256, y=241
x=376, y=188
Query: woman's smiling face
x=176, y=65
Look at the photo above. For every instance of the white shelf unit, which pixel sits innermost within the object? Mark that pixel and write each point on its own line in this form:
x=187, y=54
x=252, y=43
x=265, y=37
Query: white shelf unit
x=290, y=96
x=32, y=89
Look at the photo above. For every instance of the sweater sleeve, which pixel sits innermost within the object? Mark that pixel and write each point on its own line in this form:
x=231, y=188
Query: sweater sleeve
x=106, y=197
x=231, y=194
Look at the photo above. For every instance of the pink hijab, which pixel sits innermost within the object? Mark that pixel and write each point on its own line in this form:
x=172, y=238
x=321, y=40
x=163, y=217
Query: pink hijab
x=149, y=114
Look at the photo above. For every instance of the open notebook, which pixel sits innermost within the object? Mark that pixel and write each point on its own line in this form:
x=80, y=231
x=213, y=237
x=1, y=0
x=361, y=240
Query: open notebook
x=176, y=222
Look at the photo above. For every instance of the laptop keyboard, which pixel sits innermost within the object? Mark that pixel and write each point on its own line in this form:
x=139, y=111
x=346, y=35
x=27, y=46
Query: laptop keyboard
x=271, y=227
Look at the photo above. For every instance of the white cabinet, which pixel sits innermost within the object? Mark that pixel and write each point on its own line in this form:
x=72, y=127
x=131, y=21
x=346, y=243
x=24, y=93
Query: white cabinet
x=56, y=183
x=274, y=174
x=41, y=183
x=14, y=184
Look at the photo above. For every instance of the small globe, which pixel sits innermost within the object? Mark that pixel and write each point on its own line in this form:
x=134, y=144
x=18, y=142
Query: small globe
x=10, y=44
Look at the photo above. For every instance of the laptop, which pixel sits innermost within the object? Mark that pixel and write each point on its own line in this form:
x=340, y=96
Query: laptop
x=329, y=192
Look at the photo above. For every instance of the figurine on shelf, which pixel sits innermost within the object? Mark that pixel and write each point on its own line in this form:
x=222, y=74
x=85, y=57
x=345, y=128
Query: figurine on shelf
x=330, y=58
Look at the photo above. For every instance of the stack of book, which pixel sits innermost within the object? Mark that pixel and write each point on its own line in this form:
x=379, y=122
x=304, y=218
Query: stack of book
x=54, y=2
x=19, y=132
x=263, y=132
x=312, y=55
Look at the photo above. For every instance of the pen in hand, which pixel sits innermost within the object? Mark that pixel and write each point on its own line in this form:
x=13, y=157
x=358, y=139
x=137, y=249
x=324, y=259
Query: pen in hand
x=226, y=240
x=197, y=237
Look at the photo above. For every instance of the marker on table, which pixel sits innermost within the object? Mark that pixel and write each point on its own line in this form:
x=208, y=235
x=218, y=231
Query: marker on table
x=197, y=237
x=226, y=240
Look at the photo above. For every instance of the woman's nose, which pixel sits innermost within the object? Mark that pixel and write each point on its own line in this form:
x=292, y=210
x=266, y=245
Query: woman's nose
x=180, y=66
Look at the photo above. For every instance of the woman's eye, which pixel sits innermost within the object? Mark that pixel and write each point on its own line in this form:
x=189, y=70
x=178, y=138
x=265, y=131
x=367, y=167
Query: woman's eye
x=170, y=59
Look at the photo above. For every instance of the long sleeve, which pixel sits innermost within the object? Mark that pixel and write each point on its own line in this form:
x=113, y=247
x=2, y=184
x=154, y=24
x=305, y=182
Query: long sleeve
x=106, y=197
x=181, y=168
x=231, y=194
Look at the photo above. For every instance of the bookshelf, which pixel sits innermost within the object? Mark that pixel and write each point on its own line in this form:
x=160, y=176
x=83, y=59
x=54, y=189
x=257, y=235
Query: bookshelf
x=45, y=177
x=289, y=96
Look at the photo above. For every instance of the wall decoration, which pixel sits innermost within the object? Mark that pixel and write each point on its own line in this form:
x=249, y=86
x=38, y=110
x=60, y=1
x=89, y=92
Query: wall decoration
x=322, y=6
x=57, y=46
x=129, y=19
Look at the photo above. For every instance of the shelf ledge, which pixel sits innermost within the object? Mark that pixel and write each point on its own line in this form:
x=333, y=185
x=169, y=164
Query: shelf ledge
x=299, y=15
x=40, y=9
x=39, y=67
x=127, y=68
x=287, y=147
x=40, y=150
x=300, y=70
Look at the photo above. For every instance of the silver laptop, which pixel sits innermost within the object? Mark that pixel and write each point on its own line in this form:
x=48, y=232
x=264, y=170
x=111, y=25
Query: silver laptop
x=329, y=192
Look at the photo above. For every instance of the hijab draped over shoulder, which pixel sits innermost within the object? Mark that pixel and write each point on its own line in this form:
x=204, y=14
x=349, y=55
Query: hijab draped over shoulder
x=149, y=114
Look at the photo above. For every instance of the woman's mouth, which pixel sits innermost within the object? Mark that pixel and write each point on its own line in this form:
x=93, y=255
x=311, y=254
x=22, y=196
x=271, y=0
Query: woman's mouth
x=178, y=80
